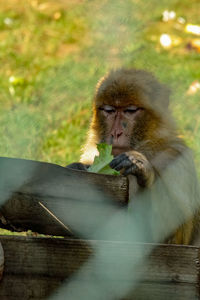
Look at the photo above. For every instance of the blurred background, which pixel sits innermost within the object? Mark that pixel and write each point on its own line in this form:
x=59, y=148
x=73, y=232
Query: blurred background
x=54, y=52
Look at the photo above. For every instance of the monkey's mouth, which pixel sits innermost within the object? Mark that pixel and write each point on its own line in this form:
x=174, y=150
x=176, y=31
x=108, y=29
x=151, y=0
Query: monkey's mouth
x=118, y=150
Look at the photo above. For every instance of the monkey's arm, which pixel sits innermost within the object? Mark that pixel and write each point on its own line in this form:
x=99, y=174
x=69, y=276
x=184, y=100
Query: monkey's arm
x=177, y=177
x=135, y=163
x=78, y=166
x=146, y=170
x=173, y=172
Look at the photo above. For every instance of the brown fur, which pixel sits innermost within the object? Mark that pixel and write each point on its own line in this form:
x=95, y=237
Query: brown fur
x=153, y=140
x=142, y=89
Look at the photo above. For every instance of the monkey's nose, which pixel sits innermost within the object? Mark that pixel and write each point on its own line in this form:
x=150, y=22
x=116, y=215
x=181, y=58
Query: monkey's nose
x=116, y=133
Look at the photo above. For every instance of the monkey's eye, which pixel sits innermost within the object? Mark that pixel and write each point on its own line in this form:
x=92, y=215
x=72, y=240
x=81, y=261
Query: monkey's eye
x=108, y=109
x=131, y=109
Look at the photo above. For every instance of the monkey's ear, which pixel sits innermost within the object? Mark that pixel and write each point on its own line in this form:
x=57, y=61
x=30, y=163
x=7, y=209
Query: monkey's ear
x=100, y=85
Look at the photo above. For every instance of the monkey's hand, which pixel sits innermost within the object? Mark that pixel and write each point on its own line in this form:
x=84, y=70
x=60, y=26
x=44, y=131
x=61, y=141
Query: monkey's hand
x=78, y=166
x=135, y=163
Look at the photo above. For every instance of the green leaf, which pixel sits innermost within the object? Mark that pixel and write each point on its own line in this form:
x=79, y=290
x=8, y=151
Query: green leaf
x=101, y=162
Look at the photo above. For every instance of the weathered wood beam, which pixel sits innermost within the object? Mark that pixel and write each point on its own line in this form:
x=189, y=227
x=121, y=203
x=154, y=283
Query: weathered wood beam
x=37, y=266
x=25, y=185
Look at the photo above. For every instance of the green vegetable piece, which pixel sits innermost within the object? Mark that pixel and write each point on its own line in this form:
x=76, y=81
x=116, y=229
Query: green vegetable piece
x=101, y=162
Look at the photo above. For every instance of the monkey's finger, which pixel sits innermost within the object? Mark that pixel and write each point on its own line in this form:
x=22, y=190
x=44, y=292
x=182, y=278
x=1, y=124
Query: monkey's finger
x=117, y=160
x=131, y=170
x=124, y=164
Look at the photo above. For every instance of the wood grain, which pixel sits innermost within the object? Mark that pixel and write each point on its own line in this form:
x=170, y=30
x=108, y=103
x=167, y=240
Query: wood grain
x=39, y=265
x=24, y=184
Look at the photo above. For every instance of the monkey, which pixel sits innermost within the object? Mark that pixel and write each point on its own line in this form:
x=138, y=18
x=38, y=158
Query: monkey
x=131, y=113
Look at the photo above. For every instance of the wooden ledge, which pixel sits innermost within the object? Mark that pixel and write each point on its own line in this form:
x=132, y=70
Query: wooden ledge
x=26, y=184
x=35, y=267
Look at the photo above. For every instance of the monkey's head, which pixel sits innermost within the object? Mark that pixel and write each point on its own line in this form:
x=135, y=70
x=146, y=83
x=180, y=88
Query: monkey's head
x=130, y=107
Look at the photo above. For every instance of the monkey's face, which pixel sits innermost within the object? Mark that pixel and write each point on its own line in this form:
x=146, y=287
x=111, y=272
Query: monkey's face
x=119, y=123
x=129, y=109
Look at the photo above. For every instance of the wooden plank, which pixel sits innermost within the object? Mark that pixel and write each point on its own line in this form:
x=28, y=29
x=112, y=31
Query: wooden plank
x=24, y=183
x=22, y=212
x=167, y=263
x=162, y=291
x=14, y=287
x=35, y=267
x=43, y=263
x=45, y=179
x=52, y=257
x=144, y=291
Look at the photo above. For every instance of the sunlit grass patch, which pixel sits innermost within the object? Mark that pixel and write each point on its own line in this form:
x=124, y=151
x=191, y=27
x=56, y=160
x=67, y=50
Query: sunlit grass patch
x=34, y=36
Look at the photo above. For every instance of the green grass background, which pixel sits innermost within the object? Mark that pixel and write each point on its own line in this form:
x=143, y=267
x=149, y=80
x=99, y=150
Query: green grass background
x=54, y=52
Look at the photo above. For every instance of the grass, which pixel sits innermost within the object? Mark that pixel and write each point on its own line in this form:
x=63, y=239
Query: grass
x=54, y=52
